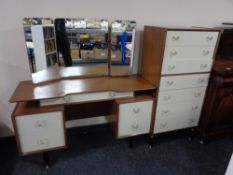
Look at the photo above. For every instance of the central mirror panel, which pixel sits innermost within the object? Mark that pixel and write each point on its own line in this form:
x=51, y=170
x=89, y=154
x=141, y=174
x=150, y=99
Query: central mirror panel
x=83, y=43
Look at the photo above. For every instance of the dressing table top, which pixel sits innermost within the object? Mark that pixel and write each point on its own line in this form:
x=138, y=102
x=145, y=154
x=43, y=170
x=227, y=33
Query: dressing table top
x=27, y=91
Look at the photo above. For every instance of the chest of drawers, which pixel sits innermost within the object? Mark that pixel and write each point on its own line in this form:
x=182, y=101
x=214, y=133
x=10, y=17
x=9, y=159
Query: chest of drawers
x=178, y=61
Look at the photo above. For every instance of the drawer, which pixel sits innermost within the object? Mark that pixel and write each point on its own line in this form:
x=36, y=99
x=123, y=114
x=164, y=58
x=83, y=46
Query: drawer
x=177, y=116
x=181, y=95
x=183, y=81
x=74, y=98
x=191, y=38
x=188, y=52
x=174, y=123
x=134, y=118
x=186, y=66
x=38, y=132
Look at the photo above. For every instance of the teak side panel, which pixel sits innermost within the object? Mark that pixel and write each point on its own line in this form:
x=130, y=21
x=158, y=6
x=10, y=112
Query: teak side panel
x=152, y=55
x=27, y=91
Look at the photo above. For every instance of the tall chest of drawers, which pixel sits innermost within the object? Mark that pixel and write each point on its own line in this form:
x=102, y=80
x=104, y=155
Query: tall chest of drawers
x=178, y=61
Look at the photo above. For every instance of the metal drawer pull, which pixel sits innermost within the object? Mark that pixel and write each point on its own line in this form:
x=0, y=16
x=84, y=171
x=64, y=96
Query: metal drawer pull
x=43, y=142
x=67, y=99
x=209, y=38
x=135, y=126
x=163, y=125
x=194, y=108
x=173, y=53
x=41, y=124
x=165, y=112
x=198, y=94
x=169, y=83
x=205, y=52
x=203, y=66
x=175, y=38
x=136, y=110
x=112, y=94
x=167, y=97
x=171, y=67
x=201, y=81
x=193, y=120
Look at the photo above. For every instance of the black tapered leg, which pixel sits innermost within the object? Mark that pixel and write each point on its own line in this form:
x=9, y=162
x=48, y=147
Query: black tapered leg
x=46, y=160
x=151, y=140
x=131, y=140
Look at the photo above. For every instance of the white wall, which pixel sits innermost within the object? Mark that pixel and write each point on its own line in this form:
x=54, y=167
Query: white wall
x=13, y=58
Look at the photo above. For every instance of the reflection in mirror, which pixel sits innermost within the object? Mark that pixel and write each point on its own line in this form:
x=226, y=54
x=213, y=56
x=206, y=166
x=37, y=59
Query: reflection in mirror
x=122, y=46
x=40, y=42
x=83, y=43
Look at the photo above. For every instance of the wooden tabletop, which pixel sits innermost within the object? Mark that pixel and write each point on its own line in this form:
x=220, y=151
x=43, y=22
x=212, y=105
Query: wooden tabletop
x=27, y=91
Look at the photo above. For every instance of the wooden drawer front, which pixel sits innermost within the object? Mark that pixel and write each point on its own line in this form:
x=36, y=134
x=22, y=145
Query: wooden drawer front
x=134, y=118
x=187, y=53
x=177, y=116
x=183, y=81
x=86, y=97
x=181, y=95
x=39, y=132
x=191, y=38
x=184, y=66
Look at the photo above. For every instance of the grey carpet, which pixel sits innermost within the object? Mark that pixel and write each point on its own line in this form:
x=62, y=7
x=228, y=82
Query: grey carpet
x=96, y=152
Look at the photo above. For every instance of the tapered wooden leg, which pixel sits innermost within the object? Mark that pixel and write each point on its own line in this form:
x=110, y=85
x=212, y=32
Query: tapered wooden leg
x=46, y=160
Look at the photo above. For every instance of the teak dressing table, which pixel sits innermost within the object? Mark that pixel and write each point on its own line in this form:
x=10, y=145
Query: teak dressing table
x=42, y=110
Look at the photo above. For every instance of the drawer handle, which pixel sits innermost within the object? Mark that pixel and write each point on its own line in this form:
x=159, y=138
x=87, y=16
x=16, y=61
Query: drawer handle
x=171, y=67
x=198, y=94
x=194, y=108
x=41, y=124
x=193, y=120
x=67, y=99
x=205, y=52
x=173, y=53
x=135, y=111
x=200, y=81
x=169, y=83
x=175, y=38
x=168, y=97
x=203, y=66
x=135, y=126
x=163, y=125
x=112, y=94
x=165, y=112
x=43, y=142
x=209, y=38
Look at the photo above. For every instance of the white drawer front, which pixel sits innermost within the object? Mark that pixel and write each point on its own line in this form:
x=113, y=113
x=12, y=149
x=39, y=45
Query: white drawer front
x=181, y=95
x=86, y=97
x=184, y=52
x=183, y=81
x=191, y=38
x=40, y=131
x=134, y=118
x=177, y=116
x=174, y=123
x=186, y=66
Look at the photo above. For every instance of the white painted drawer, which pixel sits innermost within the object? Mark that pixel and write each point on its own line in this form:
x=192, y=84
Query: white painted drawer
x=73, y=98
x=191, y=38
x=177, y=116
x=134, y=118
x=183, y=81
x=181, y=95
x=39, y=132
x=188, y=52
x=186, y=66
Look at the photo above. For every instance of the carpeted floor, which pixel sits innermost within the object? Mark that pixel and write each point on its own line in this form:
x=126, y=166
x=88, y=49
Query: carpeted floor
x=96, y=152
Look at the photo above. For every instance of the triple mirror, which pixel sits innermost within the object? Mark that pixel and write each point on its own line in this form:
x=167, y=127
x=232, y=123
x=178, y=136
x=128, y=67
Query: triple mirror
x=68, y=47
